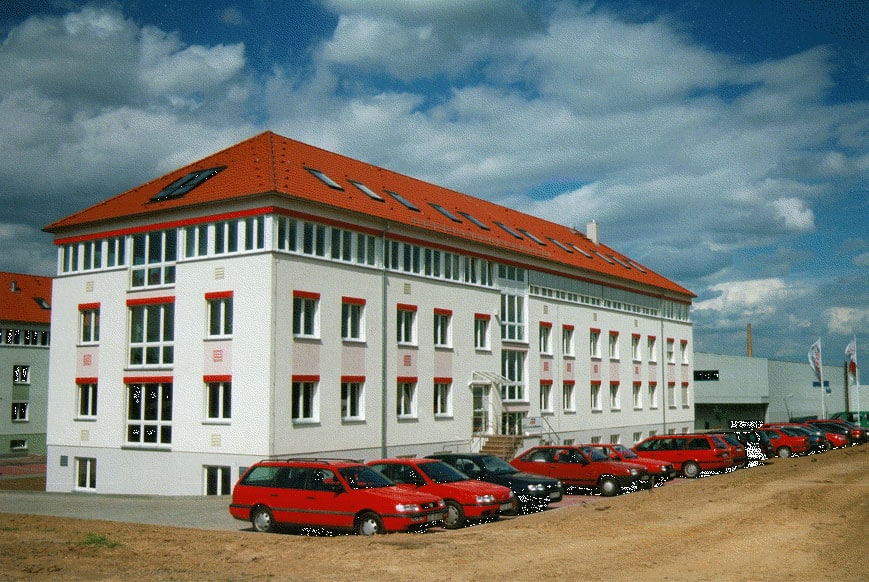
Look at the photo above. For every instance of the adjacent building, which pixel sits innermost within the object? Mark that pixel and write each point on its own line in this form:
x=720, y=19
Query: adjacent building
x=278, y=299
x=25, y=314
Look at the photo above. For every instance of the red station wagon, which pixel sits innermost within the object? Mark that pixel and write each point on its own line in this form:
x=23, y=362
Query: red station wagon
x=690, y=453
x=576, y=467
x=786, y=442
x=660, y=470
x=465, y=498
x=330, y=494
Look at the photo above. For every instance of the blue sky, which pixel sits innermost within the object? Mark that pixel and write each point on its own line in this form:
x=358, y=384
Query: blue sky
x=724, y=144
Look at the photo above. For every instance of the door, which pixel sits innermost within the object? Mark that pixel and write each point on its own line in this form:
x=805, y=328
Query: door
x=511, y=423
x=482, y=408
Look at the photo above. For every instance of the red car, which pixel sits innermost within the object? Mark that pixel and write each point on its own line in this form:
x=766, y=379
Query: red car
x=736, y=448
x=690, y=454
x=854, y=433
x=330, y=494
x=660, y=470
x=833, y=440
x=786, y=442
x=465, y=498
x=576, y=467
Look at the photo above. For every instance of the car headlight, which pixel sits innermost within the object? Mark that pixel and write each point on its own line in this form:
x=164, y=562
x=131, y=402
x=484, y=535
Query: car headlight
x=407, y=508
x=485, y=499
x=634, y=472
x=536, y=487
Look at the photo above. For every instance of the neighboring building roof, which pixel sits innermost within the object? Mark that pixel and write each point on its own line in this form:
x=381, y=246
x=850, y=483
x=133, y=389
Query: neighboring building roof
x=272, y=164
x=25, y=298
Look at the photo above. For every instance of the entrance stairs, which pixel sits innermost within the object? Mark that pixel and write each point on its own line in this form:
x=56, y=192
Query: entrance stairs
x=503, y=446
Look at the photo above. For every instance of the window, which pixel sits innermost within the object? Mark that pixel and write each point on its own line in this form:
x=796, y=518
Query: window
x=404, y=201
x=152, y=334
x=567, y=340
x=513, y=368
x=186, y=183
x=86, y=473
x=218, y=400
x=615, y=439
x=226, y=237
x=87, y=400
x=545, y=338
x=638, y=396
x=218, y=480
x=19, y=411
x=594, y=343
x=650, y=343
x=635, y=348
x=615, y=396
x=406, y=400
x=546, y=405
x=20, y=374
x=305, y=405
x=117, y=252
x=706, y=375
x=23, y=337
x=367, y=191
x=595, y=397
x=219, y=314
x=443, y=401
x=93, y=255
x=196, y=241
x=352, y=319
x=683, y=352
x=149, y=414
x=614, y=345
x=481, y=331
x=18, y=445
x=313, y=239
x=685, y=402
x=70, y=258
x=638, y=436
x=254, y=233
x=512, y=317
x=406, y=324
x=671, y=395
x=352, y=402
x=305, y=314
x=568, y=400
x=442, y=332
x=325, y=179
x=90, y=323
x=653, y=396
x=670, y=353
x=154, y=256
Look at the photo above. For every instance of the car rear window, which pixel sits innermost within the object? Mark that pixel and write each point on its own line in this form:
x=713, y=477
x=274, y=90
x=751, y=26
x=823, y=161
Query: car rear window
x=261, y=476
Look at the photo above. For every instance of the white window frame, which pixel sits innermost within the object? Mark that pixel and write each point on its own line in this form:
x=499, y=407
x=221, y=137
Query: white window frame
x=651, y=343
x=482, y=336
x=89, y=319
x=220, y=317
x=306, y=316
x=352, y=395
x=636, y=354
x=352, y=320
x=405, y=407
x=406, y=325
x=615, y=396
x=86, y=474
x=141, y=320
x=546, y=404
x=513, y=317
x=595, y=397
x=613, y=345
x=86, y=400
x=653, y=396
x=443, y=399
x=637, y=395
x=21, y=374
x=545, y=340
x=594, y=343
x=568, y=397
x=683, y=352
x=157, y=418
x=513, y=368
x=567, y=346
x=671, y=395
x=156, y=266
x=305, y=402
x=218, y=475
x=20, y=411
x=442, y=327
x=218, y=401
x=671, y=354
x=686, y=403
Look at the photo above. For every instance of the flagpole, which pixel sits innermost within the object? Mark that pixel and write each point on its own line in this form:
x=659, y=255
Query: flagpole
x=823, y=400
x=857, y=384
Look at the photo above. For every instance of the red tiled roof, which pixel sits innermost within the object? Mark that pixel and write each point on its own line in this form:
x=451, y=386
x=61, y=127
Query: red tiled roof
x=269, y=163
x=20, y=297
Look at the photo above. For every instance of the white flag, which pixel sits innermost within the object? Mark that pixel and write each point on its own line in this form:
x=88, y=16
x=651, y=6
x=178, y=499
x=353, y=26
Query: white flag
x=851, y=354
x=815, y=358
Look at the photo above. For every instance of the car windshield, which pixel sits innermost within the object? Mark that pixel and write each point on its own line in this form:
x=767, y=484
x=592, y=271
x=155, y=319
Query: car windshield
x=795, y=431
x=497, y=466
x=594, y=454
x=625, y=451
x=363, y=477
x=441, y=472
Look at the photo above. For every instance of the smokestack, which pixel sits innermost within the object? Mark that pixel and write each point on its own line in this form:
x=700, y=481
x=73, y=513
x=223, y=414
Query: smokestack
x=592, y=232
x=749, y=340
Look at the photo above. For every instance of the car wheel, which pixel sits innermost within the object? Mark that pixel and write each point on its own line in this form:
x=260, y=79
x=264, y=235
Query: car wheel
x=455, y=515
x=691, y=469
x=784, y=453
x=369, y=524
x=609, y=487
x=262, y=520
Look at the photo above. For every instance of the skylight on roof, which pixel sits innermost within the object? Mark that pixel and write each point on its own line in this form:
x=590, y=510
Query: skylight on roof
x=561, y=246
x=580, y=251
x=186, y=183
x=604, y=257
x=325, y=179
x=42, y=302
x=445, y=212
x=532, y=237
x=474, y=220
x=509, y=230
x=368, y=191
x=637, y=267
x=403, y=200
x=621, y=262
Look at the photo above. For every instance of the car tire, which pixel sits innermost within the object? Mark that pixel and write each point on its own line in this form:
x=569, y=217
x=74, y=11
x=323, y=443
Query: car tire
x=262, y=520
x=691, y=469
x=609, y=487
x=369, y=524
x=455, y=516
x=783, y=453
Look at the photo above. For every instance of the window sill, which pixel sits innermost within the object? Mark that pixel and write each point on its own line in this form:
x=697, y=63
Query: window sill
x=353, y=340
x=444, y=348
x=353, y=420
x=408, y=418
x=572, y=411
x=85, y=419
x=217, y=421
x=445, y=416
x=305, y=421
x=20, y=420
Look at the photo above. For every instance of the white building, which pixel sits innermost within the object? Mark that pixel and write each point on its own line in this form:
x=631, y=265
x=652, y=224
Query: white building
x=278, y=299
x=25, y=313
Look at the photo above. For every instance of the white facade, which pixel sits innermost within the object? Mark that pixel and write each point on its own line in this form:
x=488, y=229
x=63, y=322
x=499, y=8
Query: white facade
x=387, y=390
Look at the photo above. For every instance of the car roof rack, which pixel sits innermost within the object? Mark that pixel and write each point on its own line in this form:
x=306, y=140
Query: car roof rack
x=315, y=459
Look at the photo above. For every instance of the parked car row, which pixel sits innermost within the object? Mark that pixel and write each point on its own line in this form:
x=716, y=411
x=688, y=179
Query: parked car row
x=453, y=489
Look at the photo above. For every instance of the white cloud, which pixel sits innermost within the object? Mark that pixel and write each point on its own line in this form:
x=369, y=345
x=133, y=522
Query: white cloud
x=846, y=320
x=750, y=298
x=862, y=260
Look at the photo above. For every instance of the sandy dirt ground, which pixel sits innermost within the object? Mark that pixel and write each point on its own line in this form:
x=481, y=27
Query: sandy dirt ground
x=802, y=518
